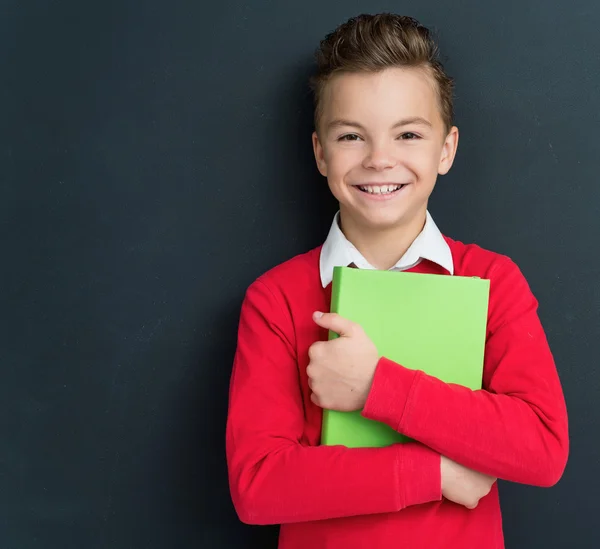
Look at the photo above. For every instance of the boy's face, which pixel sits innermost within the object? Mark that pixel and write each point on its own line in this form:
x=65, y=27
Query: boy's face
x=381, y=143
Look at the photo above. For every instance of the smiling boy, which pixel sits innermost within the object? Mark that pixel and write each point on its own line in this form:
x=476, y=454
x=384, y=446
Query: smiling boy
x=383, y=133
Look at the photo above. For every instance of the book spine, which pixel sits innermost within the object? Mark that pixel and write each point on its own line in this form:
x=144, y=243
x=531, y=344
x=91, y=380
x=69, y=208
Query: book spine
x=333, y=308
x=335, y=294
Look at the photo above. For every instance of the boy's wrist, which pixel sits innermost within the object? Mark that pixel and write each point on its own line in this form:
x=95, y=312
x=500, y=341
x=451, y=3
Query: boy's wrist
x=388, y=396
x=420, y=475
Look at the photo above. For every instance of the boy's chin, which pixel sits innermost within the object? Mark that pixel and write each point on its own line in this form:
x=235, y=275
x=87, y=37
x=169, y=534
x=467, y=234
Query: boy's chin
x=387, y=220
x=383, y=219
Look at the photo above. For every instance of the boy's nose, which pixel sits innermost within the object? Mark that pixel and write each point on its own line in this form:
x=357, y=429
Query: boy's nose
x=379, y=158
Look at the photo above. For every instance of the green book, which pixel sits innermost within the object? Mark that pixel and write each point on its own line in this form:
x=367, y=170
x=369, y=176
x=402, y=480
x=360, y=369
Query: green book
x=433, y=323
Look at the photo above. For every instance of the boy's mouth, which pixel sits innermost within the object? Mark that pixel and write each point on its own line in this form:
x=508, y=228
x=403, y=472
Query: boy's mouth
x=380, y=189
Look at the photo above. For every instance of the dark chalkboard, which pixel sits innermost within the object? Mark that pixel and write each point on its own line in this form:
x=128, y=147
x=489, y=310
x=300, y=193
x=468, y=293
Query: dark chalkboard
x=155, y=158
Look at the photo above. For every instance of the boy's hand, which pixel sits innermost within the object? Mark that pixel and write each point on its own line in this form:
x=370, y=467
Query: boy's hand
x=340, y=372
x=462, y=485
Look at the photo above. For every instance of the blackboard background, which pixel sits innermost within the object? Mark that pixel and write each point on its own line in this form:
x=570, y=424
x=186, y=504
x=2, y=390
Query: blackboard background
x=155, y=158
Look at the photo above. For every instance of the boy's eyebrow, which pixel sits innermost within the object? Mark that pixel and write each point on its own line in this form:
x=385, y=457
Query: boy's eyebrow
x=413, y=120
x=404, y=122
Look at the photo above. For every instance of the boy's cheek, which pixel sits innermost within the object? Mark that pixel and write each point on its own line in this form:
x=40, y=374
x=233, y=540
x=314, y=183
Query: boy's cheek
x=341, y=165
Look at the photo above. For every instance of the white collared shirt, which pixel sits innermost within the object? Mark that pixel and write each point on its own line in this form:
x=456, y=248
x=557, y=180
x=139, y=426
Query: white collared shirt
x=338, y=251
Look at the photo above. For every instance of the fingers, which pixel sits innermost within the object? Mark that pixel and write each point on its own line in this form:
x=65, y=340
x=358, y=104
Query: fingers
x=315, y=351
x=336, y=323
x=311, y=372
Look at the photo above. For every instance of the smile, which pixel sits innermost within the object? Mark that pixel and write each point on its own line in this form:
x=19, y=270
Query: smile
x=379, y=189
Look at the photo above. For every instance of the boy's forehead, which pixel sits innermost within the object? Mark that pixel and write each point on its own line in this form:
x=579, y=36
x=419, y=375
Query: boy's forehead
x=392, y=92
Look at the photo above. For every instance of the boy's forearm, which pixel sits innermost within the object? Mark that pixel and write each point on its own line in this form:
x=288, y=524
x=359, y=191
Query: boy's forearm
x=295, y=483
x=497, y=434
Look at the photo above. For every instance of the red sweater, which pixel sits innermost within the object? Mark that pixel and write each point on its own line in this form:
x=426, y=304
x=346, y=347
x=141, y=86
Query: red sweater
x=329, y=497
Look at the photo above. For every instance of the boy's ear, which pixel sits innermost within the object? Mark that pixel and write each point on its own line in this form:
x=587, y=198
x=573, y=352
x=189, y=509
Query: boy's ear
x=319, y=154
x=448, y=151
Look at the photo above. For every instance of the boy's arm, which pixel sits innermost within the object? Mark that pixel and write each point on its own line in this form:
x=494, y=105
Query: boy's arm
x=275, y=478
x=516, y=429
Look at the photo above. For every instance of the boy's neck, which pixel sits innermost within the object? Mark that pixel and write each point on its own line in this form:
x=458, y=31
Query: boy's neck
x=382, y=248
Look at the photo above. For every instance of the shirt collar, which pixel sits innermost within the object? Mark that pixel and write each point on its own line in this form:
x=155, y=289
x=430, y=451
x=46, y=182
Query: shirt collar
x=338, y=251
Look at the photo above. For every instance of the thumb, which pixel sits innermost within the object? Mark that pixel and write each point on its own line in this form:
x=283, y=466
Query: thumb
x=335, y=323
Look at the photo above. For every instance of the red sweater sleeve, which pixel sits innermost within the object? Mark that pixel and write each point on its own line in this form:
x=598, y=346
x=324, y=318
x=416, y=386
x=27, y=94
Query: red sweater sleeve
x=515, y=428
x=273, y=477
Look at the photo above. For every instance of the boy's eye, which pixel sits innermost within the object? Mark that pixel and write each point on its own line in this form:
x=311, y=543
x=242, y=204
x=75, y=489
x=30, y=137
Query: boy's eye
x=349, y=137
x=409, y=136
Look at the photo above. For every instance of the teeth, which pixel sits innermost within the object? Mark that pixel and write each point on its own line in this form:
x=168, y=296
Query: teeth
x=379, y=189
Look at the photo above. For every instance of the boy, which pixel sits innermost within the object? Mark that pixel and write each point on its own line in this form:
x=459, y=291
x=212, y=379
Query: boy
x=383, y=132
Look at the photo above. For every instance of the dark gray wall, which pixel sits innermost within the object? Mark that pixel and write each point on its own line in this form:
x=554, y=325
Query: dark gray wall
x=155, y=158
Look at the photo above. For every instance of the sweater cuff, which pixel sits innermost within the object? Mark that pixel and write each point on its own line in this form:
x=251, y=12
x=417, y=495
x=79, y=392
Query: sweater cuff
x=389, y=394
x=421, y=475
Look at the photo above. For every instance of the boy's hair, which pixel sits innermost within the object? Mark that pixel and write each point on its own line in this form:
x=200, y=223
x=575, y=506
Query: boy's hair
x=372, y=43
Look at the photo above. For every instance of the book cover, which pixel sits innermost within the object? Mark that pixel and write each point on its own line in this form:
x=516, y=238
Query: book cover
x=428, y=322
